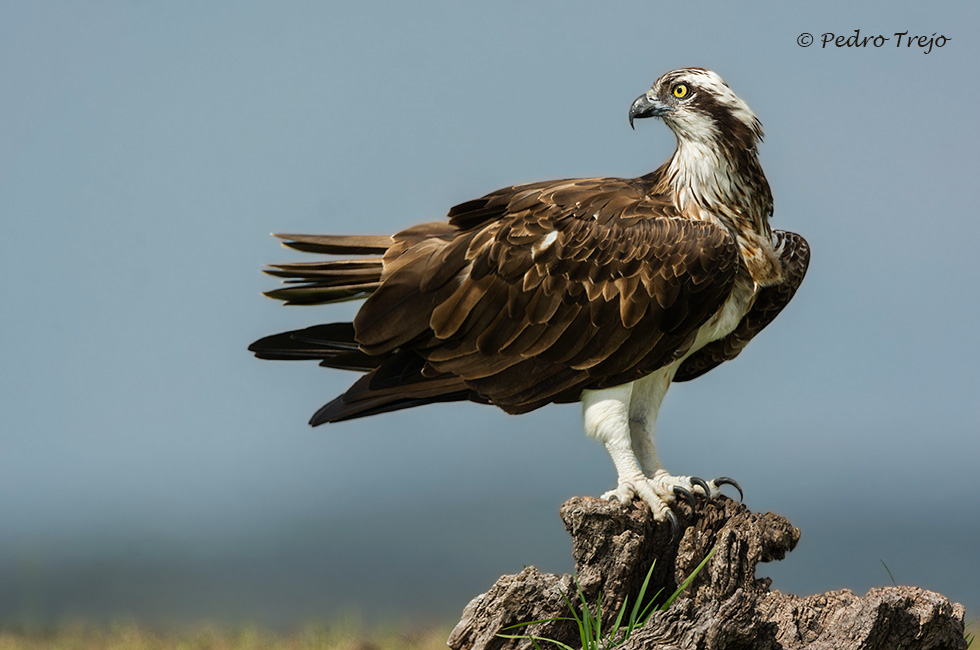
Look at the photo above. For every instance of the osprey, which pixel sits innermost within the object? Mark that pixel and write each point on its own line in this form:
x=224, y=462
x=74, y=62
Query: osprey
x=596, y=290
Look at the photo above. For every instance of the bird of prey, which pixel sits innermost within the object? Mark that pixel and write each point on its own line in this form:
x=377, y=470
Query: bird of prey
x=594, y=290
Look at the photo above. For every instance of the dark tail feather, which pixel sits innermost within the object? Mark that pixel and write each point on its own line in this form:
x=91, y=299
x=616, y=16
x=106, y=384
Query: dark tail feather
x=350, y=279
x=316, y=293
x=339, y=244
x=332, y=345
x=394, y=380
x=335, y=280
x=397, y=384
x=366, y=269
x=338, y=410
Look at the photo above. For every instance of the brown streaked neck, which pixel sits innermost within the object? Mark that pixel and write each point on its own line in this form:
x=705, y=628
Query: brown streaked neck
x=727, y=183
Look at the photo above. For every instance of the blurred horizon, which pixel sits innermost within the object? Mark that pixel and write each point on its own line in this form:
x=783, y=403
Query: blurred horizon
x=151, y=468
x=284, y=580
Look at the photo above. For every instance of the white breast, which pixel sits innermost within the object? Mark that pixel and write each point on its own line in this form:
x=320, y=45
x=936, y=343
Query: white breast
x=727, y=318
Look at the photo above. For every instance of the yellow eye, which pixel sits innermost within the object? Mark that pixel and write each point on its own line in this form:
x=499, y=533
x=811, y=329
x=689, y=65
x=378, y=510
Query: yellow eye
x=680, y=90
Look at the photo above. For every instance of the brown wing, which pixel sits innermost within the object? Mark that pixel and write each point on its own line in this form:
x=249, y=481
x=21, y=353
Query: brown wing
x=546, y=290
x=795, y=255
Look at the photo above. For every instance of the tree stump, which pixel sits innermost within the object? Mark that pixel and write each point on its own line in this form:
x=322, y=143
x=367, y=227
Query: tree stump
x=726, y=606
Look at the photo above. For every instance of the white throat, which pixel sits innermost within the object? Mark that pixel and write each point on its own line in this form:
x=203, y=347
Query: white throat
x=698, y=172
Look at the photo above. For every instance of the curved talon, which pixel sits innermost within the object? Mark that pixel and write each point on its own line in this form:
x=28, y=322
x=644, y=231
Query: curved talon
x=675, y=526
x=724, y=480
x=684, y=492
x=701, y=483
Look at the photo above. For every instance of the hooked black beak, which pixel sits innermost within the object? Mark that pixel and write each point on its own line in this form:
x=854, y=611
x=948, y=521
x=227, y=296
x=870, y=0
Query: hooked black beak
x=646, y=107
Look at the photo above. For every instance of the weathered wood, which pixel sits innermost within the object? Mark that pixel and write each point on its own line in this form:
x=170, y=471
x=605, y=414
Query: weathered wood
x=725, y=607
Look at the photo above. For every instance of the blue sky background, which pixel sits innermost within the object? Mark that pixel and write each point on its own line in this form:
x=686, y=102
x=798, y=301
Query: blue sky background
x=151, y=468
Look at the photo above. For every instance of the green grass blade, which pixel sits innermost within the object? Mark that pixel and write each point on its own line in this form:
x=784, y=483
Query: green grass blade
x=889, y=571
x=587, y=619
x=598, y=617
x=648, y=610
x=535, y=639
x=639, y=599
x=575, y=616
x=543, y=620
x=690, y=579
x=619, y=617
x=571, y=608
x=639, y=617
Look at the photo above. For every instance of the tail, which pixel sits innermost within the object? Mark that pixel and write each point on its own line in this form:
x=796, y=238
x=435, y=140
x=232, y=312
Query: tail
x=332, y=345
x=329, y=281
x=318, y=283
x=397, y=384
x=393, y=380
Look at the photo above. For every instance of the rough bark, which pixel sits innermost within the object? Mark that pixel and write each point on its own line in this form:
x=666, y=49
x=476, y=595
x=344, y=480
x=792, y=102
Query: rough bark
x=726, y=606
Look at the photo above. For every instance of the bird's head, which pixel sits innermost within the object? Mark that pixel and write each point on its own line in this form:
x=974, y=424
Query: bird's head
x=699, y=107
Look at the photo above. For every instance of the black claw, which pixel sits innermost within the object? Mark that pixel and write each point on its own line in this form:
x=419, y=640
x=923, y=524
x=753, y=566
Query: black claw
x=675, y=526
x=701, y=483
x=724, y=480
x=684, y=492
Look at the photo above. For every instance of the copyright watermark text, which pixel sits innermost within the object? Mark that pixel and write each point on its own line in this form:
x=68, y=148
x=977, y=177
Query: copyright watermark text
x=900, y=39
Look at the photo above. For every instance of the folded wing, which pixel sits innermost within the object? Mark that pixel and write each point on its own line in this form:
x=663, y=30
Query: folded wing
x=537, y=293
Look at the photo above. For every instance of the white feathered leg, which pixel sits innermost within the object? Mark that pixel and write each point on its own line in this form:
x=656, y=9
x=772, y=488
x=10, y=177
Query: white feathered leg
x=647, y=396
x=623, y=419
x=607, y=419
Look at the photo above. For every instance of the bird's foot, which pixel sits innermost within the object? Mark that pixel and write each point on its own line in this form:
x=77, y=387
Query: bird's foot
x=662, y=489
